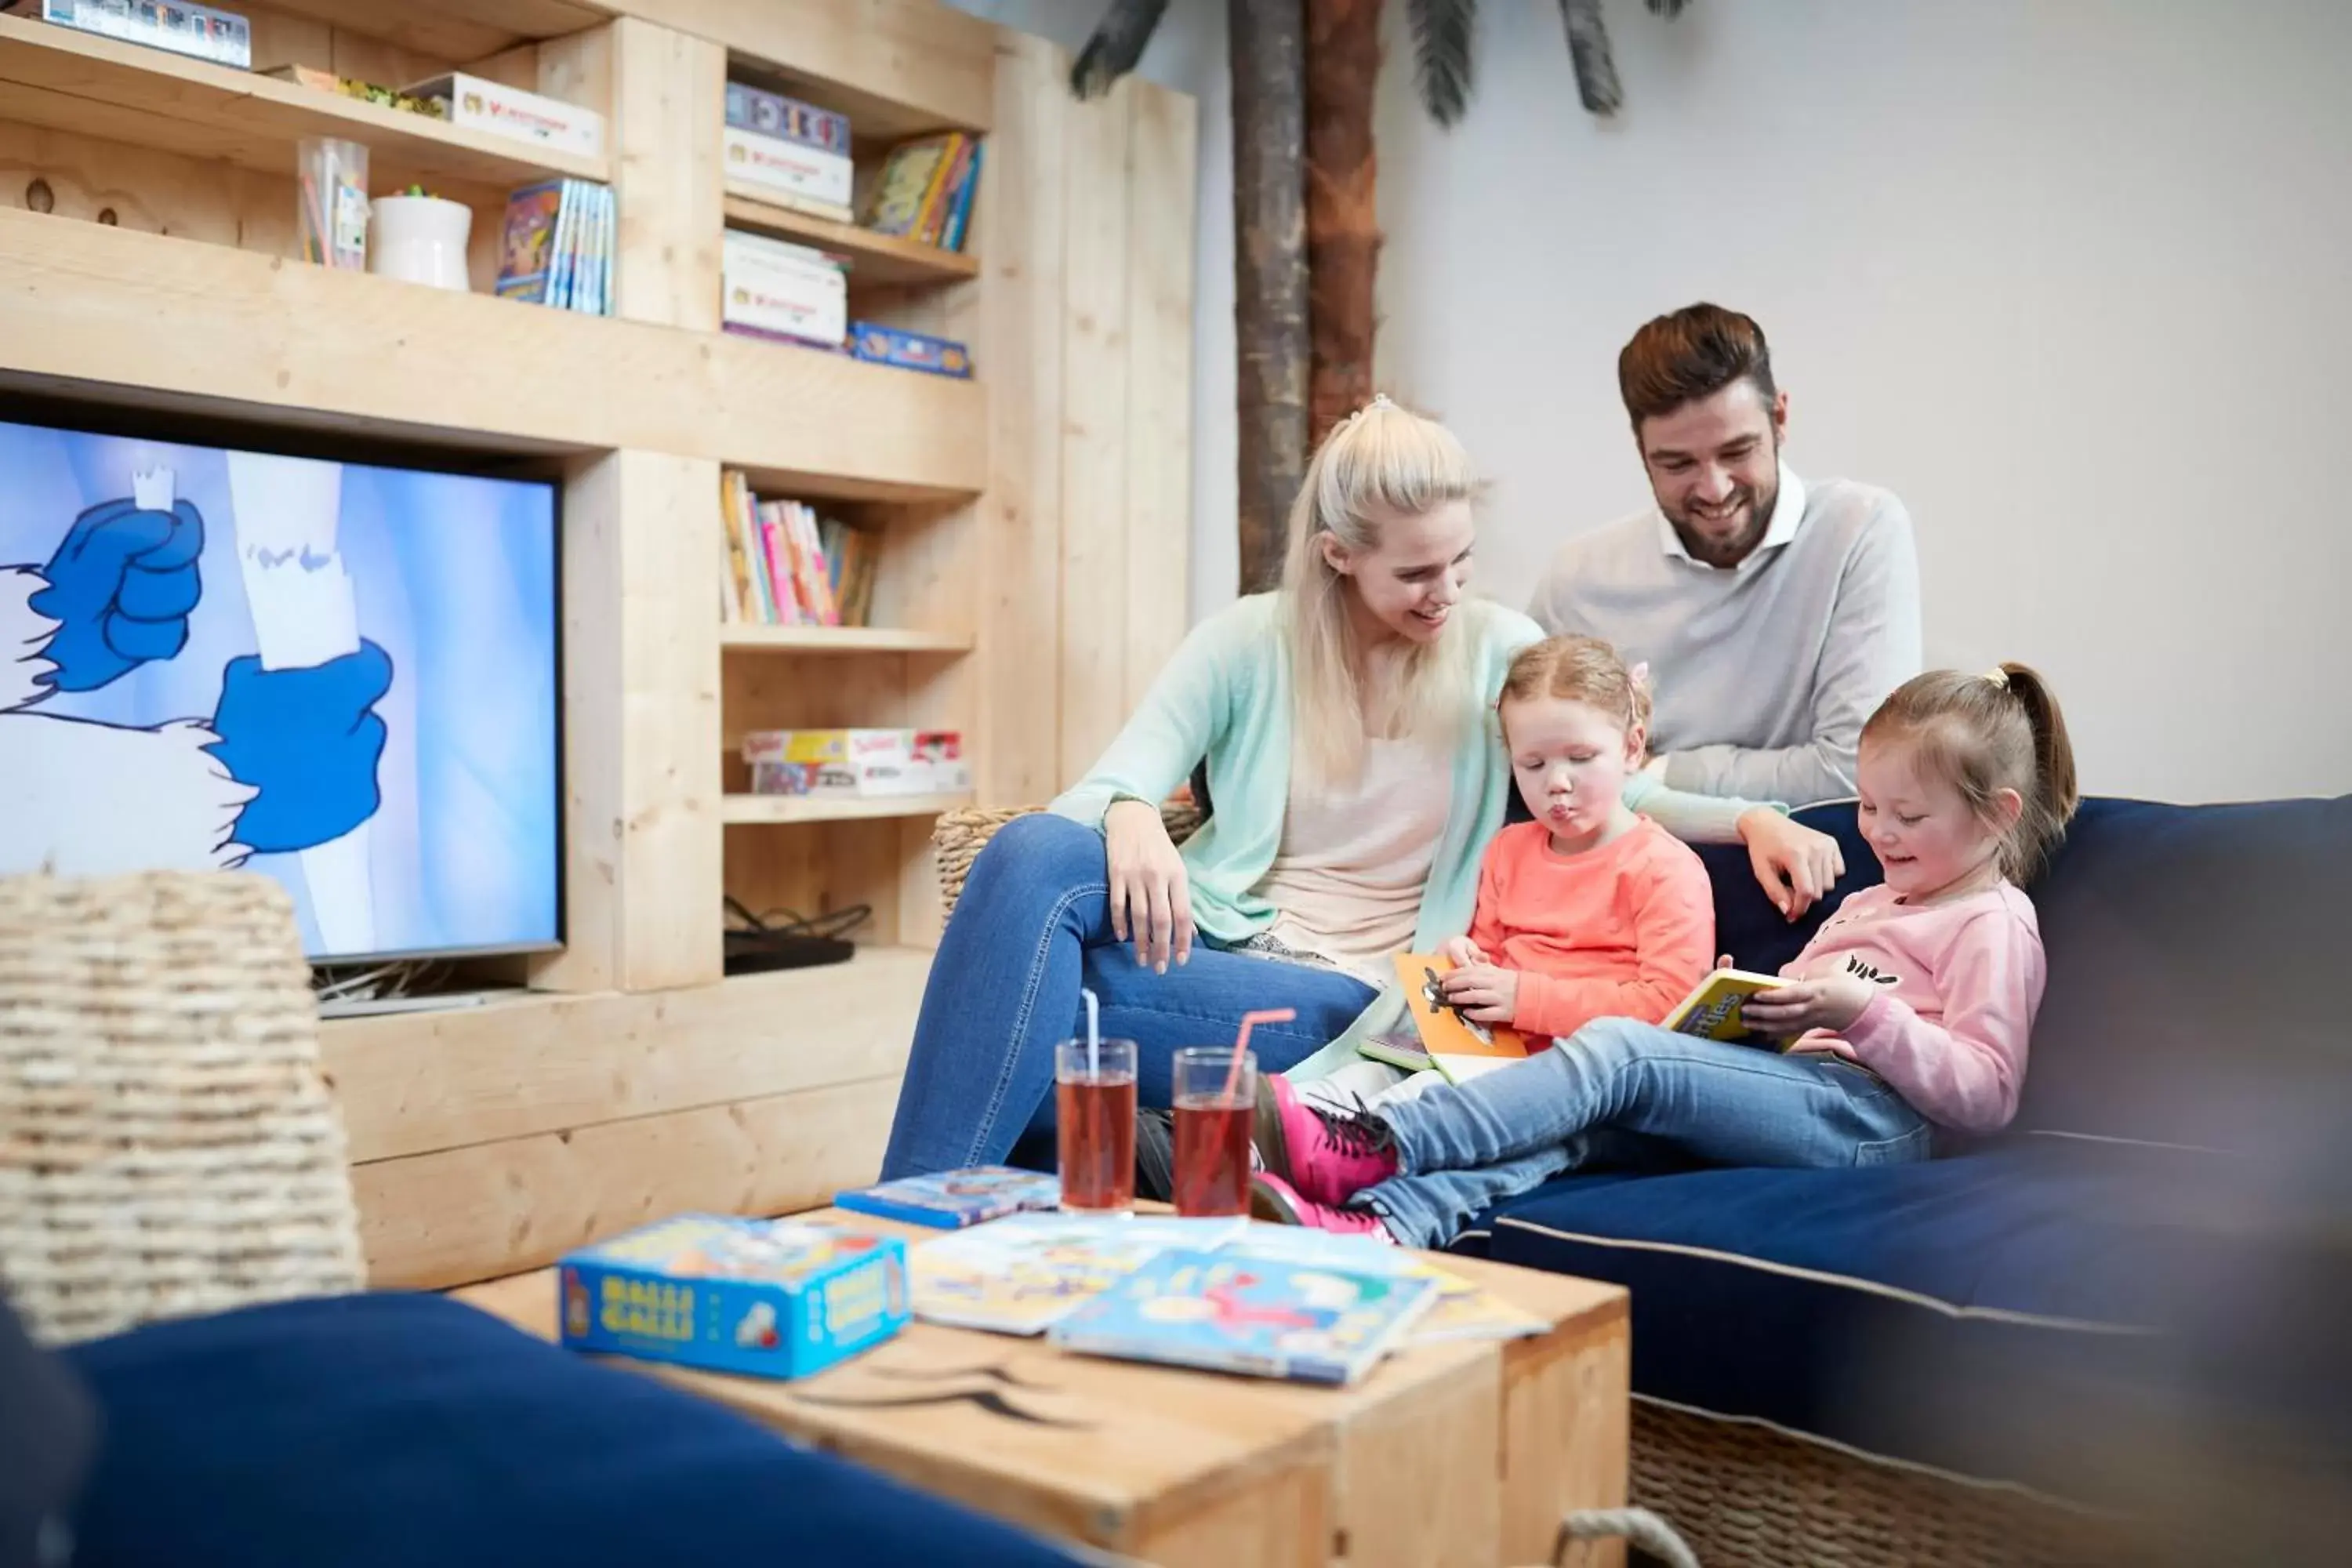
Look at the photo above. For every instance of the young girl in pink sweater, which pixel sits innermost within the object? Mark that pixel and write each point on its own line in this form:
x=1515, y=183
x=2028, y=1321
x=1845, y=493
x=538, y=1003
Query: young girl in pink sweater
x=1909, y=1010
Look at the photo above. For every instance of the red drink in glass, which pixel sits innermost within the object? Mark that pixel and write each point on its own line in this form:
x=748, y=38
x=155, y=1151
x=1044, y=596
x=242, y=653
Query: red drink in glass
x=1093, y=1112
x=1213, y=1104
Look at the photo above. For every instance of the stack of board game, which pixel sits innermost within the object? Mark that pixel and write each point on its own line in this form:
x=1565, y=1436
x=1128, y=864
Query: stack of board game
x=774, y=288
x=199, y=32
x=557, y=246
x=786, y=566
x=789, y=152
x=476, y=103
x=925, y=190
x=867, y=763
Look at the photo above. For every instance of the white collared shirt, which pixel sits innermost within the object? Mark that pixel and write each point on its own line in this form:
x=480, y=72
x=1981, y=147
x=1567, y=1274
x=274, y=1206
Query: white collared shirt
x=1763, y=674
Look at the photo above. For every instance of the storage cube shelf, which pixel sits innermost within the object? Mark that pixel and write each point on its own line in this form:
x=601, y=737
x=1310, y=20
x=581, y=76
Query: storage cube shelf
x=841, y=641
x=790, y=808
x=874, y=258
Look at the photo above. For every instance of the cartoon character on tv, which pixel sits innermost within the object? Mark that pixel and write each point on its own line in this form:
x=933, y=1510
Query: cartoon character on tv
x=287, y=759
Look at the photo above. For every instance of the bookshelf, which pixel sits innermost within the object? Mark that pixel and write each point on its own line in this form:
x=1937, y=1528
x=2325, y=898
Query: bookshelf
x=1031, y=522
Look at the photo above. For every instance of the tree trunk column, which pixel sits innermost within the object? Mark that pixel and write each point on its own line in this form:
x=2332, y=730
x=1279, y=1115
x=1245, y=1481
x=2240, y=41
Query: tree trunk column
x=1270, y=292
x=1343, y=68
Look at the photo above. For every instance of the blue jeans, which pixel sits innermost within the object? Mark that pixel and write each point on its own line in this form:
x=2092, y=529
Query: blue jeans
x=1033, y=925
x=1461, y=1150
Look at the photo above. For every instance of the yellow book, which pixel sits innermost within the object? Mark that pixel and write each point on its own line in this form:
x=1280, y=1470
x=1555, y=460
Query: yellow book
x=1447, y=1041
x=1715, y=1009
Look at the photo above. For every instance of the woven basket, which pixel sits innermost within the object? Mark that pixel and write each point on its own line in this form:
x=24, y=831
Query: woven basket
x=167, y=1145
x=961, y=835
x=1741, y=1495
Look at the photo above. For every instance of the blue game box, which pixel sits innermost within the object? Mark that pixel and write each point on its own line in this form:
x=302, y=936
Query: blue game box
x=771, y=1298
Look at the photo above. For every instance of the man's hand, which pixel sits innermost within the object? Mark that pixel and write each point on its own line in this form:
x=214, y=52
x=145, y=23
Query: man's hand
x=1831, y=1002
x=120, y=587
x=1795, y=864
x=1485, y=992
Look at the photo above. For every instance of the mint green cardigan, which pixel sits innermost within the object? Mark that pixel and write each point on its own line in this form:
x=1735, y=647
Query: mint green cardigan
x=1225, y=695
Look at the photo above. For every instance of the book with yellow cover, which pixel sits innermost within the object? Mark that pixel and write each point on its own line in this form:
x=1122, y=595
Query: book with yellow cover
x=1715, y=1009
x=1443, y=1038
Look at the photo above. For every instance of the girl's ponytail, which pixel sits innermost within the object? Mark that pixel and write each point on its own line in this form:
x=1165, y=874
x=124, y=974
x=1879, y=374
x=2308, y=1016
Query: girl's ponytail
x=2050, y=803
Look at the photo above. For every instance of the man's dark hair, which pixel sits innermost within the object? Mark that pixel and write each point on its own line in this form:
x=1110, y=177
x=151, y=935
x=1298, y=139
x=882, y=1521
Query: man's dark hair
x=1693, y=354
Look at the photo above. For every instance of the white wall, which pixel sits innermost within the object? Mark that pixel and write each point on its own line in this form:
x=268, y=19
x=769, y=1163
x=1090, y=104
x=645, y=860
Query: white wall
x=2070, y=276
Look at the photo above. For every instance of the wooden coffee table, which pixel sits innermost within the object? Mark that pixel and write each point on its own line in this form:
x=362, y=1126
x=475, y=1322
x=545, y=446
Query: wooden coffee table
x=1466, y=1454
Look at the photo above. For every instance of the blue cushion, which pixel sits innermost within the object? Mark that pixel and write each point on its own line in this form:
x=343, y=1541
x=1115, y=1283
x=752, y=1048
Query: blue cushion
x=1748, y=927
x=1806, y=1298
x=397, y=1429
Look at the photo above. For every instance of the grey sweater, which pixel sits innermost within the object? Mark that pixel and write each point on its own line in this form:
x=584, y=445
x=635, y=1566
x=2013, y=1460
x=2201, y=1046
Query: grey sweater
x=1764, y=673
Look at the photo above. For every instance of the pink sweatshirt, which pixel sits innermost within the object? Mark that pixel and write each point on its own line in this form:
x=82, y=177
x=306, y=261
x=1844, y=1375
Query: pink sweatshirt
x=1958, y=983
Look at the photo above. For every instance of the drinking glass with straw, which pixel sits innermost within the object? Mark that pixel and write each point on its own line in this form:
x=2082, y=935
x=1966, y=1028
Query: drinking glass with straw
x=1216, y=1089
x=1094, y=1107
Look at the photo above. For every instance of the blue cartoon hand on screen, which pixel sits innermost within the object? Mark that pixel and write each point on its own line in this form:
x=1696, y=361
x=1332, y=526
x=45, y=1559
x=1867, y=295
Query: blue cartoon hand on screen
x=120, y=589
x=308, y=740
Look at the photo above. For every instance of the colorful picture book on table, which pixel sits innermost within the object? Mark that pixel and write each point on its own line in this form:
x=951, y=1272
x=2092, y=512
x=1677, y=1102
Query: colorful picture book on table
x=1021, y=1274
x=771, y=1298
x=1442, y=1038
x=1261, y=1316
x=924, y=189
x=556, y=247
x=952, y=1200
x=786, y=566
x=1461, y=1312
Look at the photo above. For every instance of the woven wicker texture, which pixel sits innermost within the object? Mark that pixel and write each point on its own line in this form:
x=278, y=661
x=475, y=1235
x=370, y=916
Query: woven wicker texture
x=1744, y=1495
x=961, y=835
x=167, y=1143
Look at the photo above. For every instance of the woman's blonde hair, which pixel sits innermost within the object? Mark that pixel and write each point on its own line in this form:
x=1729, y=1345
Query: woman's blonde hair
x=1386, y=457
x=1581, y=669
x=1986, y=734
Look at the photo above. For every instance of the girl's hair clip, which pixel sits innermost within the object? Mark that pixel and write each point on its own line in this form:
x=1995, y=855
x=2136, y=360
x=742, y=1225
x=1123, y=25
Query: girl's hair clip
x=1640, y=674
x=1997, y=676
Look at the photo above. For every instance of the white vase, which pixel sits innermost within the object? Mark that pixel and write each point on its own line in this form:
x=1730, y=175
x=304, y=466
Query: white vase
x=421, y=239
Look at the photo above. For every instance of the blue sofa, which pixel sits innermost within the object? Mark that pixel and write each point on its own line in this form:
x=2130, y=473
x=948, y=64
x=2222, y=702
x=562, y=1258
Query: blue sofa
x=1982, y=1315
x=394, y=1428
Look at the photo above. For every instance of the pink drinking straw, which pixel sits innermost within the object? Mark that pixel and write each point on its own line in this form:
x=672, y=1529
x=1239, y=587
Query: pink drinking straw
x=1241, y=1044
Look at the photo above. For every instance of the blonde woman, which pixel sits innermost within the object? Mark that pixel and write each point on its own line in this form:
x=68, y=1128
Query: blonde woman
x=1356, y=774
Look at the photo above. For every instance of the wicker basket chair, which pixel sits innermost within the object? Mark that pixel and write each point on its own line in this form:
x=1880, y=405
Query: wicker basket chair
x=1740, y=1493
x=168, y=1146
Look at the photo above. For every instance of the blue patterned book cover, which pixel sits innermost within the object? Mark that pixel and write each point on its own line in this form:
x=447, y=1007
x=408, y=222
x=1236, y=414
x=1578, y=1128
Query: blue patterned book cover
x=950, y=1200
x=1257, y=1316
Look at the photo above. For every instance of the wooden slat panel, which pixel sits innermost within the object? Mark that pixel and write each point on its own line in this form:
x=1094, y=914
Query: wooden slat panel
x=669, y=98
x=641, y=726
x=1093, y=428
x=1161, y=155
x=879, y=258
x=1019, y=218
x=457, y=30
x=80, y=303
x=895, y=66
x=415, y=1083
x=443, y=1219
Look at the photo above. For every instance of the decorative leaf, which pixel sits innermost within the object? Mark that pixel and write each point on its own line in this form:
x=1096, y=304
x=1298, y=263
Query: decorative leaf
x=1118, y=43
x=1669, y=9
x=1442, y=31
x=1588, y=48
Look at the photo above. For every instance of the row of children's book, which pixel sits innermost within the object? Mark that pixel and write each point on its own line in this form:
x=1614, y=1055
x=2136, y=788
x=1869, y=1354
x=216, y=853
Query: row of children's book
x=786, y=566
x=925, y=190
x=557, y=246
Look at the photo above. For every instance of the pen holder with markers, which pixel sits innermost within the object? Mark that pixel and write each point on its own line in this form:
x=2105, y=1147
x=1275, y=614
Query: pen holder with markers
x=333, y=181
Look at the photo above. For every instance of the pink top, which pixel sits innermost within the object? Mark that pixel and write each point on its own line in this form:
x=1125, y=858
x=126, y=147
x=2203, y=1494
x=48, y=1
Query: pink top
x=1623, y=930
x=1958, y=983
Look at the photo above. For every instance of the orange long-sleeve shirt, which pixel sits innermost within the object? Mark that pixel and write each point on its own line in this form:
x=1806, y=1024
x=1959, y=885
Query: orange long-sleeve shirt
x=1621, y=931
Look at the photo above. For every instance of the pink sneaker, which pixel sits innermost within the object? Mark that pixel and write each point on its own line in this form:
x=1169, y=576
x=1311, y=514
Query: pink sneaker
x=1325, y=1156
x=1277, y=1202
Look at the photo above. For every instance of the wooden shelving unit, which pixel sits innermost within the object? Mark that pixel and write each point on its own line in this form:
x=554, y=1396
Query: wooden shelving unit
x=1031, y=522
x=876, y=258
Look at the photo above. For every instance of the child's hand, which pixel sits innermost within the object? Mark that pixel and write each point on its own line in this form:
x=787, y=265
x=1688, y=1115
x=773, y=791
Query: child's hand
x=1486, y=993
x=1460, y=952
x=1831, y=1002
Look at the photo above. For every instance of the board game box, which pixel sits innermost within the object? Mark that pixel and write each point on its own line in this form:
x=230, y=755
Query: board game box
x=950, y=1200
x=771, y=1298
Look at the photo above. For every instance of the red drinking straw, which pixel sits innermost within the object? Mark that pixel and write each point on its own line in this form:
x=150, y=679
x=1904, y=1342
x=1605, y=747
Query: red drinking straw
x=1241, y=1044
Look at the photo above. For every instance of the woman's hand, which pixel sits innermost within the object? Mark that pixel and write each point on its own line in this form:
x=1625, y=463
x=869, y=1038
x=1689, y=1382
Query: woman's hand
x=1796, y=864
x=1485, y=993
x=1460, y=952
x=1831, y=1002
x=1149, y=895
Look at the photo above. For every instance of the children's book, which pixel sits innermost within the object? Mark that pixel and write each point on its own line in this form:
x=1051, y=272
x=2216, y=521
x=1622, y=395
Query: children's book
x=1715, y=1008
x=951, y=1200
x=1020, y=1274
x=1259, y=1316
x=1447, y=1041
x=1462, y=1310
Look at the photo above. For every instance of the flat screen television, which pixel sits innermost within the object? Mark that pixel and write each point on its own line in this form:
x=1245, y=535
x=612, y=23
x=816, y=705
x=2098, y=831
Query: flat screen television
x=340, y=675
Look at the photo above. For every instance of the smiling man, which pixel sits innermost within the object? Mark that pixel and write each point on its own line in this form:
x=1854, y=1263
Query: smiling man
x=1774, y=612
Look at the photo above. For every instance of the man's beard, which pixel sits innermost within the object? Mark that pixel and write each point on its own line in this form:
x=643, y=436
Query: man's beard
x=1731, y=553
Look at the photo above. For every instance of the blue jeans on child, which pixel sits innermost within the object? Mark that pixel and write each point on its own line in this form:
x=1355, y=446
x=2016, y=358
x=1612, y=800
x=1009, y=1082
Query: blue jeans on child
x=1461, y=1150
x=1031, y=926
